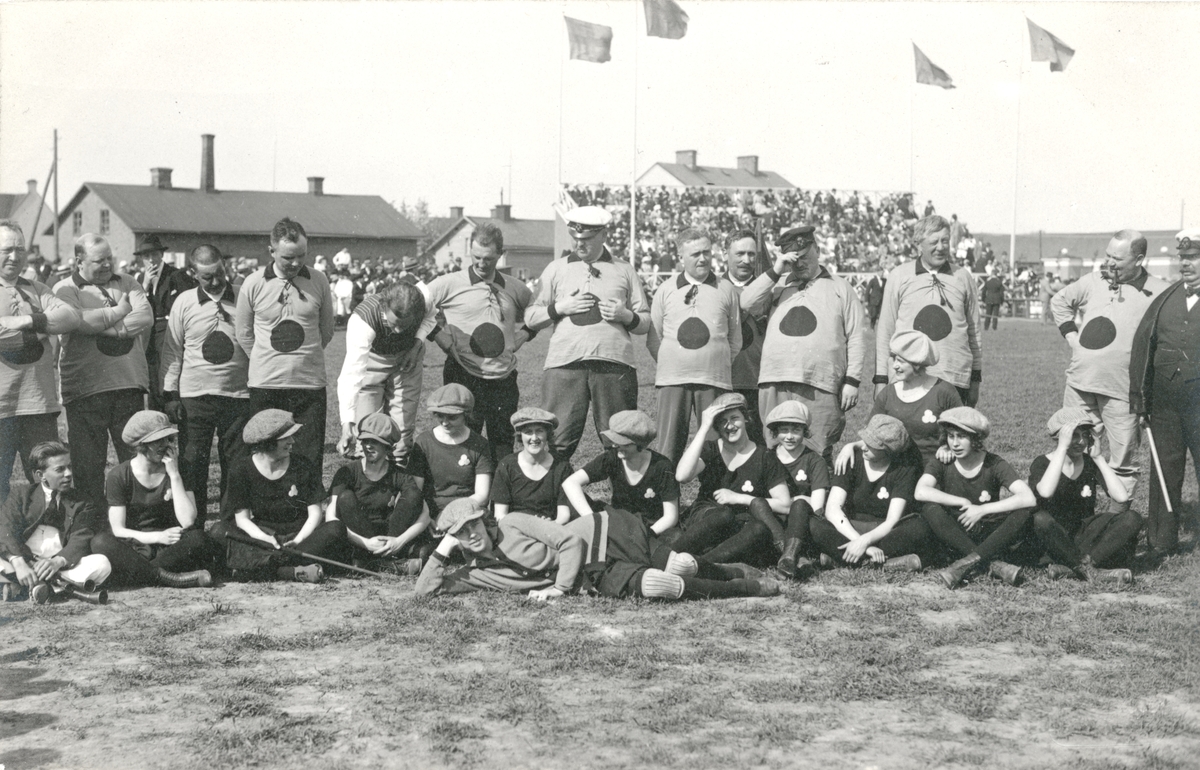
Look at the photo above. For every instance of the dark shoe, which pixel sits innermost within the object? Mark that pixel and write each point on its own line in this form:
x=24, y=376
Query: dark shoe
x=787, y=562
x=1009, y=573
x=907, y=563
x=805, y=568
x=13, y=592
x=201, y=578
x=409, y=567
x=826, y=561
x=41, y=593
x=953, y=576
x=1060, y=572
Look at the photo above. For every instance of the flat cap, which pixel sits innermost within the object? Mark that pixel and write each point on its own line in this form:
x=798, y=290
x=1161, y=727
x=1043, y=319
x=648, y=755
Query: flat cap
x=884, y=432
x=914, y=347
x=788, y=411
x=269, y=424
x=589, y=217
x=451, y=399
x=410, y=263
x=379, y=427
x=1188, y=241
x=797, y=237
x=967, y=419
x=146, y=426
x=457, y=513
x=630, y=427
x=1069, y=415
x=531, y=415
x=727, y=401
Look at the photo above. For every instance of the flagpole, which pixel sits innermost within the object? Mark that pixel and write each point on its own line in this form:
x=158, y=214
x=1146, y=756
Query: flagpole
x=562, y=66
x=1012, y=238
x=633, y=171
x=912, y=88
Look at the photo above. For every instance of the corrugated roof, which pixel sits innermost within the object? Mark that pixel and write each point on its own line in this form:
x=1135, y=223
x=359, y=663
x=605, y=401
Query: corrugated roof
x=147, y=209
x=9, y=203
x=701, y=176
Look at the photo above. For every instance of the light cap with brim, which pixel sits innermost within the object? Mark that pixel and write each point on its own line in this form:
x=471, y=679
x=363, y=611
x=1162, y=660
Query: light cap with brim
x=914, y=347
x=884, y=432
x=451, y=399
x=379, y=427
x=966, y=419
x=630, y=427
x=269, y=425
x=1188, y=241
x=589, y=217
x=788, y=411
x=457, y=513
x=531, y=415
x=1068, y=415
x=728, y=401
x=146, y=426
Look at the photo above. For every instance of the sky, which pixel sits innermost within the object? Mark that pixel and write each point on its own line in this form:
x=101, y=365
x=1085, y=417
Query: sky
x=454, y=102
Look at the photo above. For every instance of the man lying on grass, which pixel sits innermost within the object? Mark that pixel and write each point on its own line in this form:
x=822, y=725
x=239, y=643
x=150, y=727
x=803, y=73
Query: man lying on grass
x=610, y=552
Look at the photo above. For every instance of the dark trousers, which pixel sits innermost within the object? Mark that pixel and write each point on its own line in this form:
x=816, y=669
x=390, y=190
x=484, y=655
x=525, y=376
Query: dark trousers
x=1109, y=538
x=307, y=408
x=205, y=416
x=721, y=535
x=991, y=316
x=403, y=515
x=91, y=421
x=754, y=426
x=495, y=403
x=910, y=535
x=989, y=538
x=567, y=391
x=137, y=564
x=18, y=435
x=1175, y=422
x=328, y=541
x=676, y=403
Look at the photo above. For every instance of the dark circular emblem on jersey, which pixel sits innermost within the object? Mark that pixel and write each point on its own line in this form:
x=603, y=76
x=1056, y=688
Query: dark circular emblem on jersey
x=217, y=348
x=747, y=330
x=588, y=317
x=31, y=350
x=487, y=341
x=114, y=346
x=1098, y=333
x=799, y=322
x=693, y=334
x=287, y=336
x=934, y=322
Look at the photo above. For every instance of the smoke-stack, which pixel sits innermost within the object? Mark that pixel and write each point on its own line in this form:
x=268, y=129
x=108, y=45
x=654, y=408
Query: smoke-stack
x=208, y=181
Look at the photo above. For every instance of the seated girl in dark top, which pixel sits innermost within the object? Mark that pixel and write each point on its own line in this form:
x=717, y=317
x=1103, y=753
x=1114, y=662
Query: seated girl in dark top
x=1077, y=540
x=742, y=488
x=867, y=516
x=643, y=481
x=808, y=484
x=382, y=507
x=153, y=539
x=456, y=461
x=275, y=497
x=531, y=480
x=962, y=502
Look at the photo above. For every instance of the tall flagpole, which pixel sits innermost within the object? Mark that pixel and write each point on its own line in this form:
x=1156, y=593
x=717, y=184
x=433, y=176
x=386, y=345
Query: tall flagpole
x=57, y=254
x=633, y=170
x=562, y=66
x=1012, y=238
x=912, y=88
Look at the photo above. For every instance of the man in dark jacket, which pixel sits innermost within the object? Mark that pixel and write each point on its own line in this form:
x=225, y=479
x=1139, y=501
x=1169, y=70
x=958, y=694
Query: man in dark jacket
x=875, y=295
x=163, y=283
x=46, y=529
x=1164, y=388
x=993, y=298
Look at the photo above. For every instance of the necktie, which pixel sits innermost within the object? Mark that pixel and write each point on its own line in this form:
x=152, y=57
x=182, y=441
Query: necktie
x=1192, y=291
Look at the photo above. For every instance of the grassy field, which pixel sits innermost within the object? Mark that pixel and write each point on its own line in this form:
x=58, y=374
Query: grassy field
x=853, y=669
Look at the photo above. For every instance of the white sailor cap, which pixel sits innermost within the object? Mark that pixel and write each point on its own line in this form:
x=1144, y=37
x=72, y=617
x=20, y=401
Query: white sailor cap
x=589, y=217
x=1188, y=241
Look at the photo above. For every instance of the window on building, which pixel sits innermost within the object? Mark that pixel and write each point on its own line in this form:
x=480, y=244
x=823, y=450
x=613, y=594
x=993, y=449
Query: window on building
x=104, y=221
x=77, y=222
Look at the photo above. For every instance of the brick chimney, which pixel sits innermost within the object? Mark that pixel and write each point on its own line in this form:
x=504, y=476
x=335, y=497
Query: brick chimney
x=208, y=181
x=686, y=158
x=748, y=163
x=32, y=185
x=456, y=212
x=316, y=185
x=502, y=211
x=160, y=178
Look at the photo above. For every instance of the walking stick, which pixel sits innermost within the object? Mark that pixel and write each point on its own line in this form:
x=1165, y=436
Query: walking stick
x=1162, y=481
x=247, y=540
